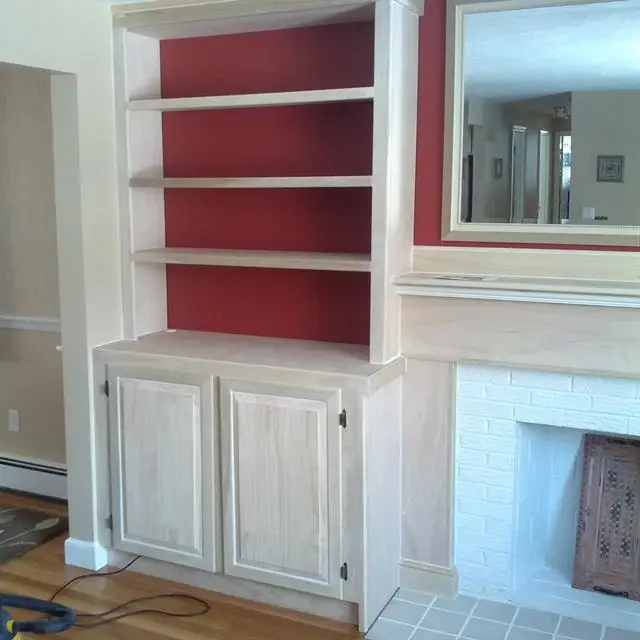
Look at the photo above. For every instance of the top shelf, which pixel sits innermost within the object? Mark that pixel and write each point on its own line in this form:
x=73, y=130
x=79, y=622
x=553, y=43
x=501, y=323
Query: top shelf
x=171, y=19
x=357, y=94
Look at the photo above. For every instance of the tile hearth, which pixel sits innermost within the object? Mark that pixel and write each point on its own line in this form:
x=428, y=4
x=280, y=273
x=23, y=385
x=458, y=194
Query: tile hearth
x=413, y=615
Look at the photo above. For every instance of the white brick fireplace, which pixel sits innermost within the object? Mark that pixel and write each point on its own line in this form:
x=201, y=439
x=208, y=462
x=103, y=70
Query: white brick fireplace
x=518, y=479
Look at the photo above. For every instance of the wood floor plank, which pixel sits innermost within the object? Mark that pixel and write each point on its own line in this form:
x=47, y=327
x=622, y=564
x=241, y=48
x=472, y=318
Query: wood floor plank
x=41, y=571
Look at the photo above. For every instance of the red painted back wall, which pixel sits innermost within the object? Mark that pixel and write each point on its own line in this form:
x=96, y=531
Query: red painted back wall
x=316, y=140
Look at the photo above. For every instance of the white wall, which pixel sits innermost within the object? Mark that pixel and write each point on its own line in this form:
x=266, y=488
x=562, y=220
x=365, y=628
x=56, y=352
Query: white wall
x=73, y=38
x=605, y=123
x=30, y=366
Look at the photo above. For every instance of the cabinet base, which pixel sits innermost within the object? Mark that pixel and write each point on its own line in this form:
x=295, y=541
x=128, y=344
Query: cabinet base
x=321, y=606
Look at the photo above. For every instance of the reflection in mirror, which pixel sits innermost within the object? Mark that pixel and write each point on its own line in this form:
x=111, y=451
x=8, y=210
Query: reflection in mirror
x=551, y=131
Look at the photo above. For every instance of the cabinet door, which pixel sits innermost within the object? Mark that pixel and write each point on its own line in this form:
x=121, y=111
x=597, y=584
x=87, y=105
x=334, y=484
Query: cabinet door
x=162, y=434
x=281, y=467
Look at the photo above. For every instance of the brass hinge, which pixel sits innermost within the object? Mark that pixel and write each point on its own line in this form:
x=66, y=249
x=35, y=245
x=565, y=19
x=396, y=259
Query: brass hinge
x=342, y=419
x=105, y=388
x=344, y=571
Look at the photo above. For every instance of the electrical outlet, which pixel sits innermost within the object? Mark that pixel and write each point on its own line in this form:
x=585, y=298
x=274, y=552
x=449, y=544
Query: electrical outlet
x=14, y=420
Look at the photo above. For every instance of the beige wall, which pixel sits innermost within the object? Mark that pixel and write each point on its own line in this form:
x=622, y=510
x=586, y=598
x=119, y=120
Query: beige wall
x=30, y=366
x=605, y=123
x=73, y=39
x=31, y=381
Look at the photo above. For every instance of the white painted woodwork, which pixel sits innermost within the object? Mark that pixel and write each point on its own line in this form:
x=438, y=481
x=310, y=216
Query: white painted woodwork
x=282, y=497
x=139, y=139
x=565, y=291
x=332, y=182
x=263, y=259
x=539, y=336
x=321, y=363
x=584, y=265
x=163, y=465
x=241, y=16
x=394, y=162
x=427, y=427
x=289, y=98
x=382, y=499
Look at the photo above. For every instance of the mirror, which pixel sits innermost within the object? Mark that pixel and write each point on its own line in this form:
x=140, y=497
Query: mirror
x=547, y=107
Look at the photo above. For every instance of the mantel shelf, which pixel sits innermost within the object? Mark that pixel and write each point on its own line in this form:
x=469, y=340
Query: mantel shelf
x=357, y=94
x=255, y=183
x=258, y=259
x=601, y=293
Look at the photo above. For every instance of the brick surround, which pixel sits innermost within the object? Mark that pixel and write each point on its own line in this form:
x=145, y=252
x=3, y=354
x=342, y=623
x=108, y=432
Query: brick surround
x=517, y=475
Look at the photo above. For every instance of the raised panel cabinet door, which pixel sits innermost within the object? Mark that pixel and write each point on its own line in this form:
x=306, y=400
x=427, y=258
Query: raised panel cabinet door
x=282, y=497
x=162, y=434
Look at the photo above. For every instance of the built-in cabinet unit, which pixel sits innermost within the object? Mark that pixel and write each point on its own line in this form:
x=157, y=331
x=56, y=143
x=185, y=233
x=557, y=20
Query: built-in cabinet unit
x=266, y=156
x=273, y=461
x=282, y=470
x=163, y=464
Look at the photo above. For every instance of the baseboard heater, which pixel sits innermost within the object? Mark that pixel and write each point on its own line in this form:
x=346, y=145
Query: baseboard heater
x=33, y=476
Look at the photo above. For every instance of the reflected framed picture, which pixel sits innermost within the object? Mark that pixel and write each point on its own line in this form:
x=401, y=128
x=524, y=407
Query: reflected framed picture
x=610, y=168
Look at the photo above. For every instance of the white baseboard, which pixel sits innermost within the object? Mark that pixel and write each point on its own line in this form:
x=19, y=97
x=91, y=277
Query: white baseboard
x=33, y=476
x=421, y=576
x=86, y=555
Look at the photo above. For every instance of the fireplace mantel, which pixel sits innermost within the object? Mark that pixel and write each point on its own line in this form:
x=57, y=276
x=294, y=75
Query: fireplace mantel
x=439, y=334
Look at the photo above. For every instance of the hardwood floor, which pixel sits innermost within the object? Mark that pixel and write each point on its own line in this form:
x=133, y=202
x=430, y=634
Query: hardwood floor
x=41, y=571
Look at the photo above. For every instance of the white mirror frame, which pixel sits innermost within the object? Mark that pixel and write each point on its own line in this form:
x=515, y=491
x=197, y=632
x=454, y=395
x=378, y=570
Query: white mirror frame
x=452, y=228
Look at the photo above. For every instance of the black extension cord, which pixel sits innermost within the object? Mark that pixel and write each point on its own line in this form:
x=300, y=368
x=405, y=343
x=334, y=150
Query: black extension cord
x=93, y=620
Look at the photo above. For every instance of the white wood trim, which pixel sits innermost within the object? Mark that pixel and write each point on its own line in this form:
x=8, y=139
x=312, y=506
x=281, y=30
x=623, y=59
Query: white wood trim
x=356, y=94
x=382, y=509
x=421, y=576
x=521, y=289
x=39, y=477
x=139, y=148
x=86, y=555
x=452, y=228
x=123, y=7
x=260, y=259
x=550, y=263
x=254, y=183
x=26, y=323
x=588, y=339
x=394, y=168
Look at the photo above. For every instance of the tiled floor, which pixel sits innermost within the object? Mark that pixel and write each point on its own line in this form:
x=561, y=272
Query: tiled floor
x=412, y=615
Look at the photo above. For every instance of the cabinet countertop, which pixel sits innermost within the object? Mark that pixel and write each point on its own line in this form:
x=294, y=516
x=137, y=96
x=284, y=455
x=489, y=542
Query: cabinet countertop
x=301, y=355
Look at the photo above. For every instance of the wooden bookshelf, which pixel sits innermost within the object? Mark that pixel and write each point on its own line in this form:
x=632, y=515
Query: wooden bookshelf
x=288, y=98
x=256, y=259
x=143, y=112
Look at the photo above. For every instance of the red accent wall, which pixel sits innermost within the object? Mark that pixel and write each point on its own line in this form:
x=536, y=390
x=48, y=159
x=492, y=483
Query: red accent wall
x=313, y=140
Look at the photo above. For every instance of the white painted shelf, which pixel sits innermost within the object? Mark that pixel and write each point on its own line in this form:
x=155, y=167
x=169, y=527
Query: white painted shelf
x=303, y=355
x=356, y=94
x=260, y=259
x=599, y=293
x=254, y=183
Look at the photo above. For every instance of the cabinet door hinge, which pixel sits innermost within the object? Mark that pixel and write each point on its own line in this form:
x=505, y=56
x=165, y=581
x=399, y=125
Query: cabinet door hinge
x=109, y=523
x=105, y=388
x=344, y=571
x=342, y=419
